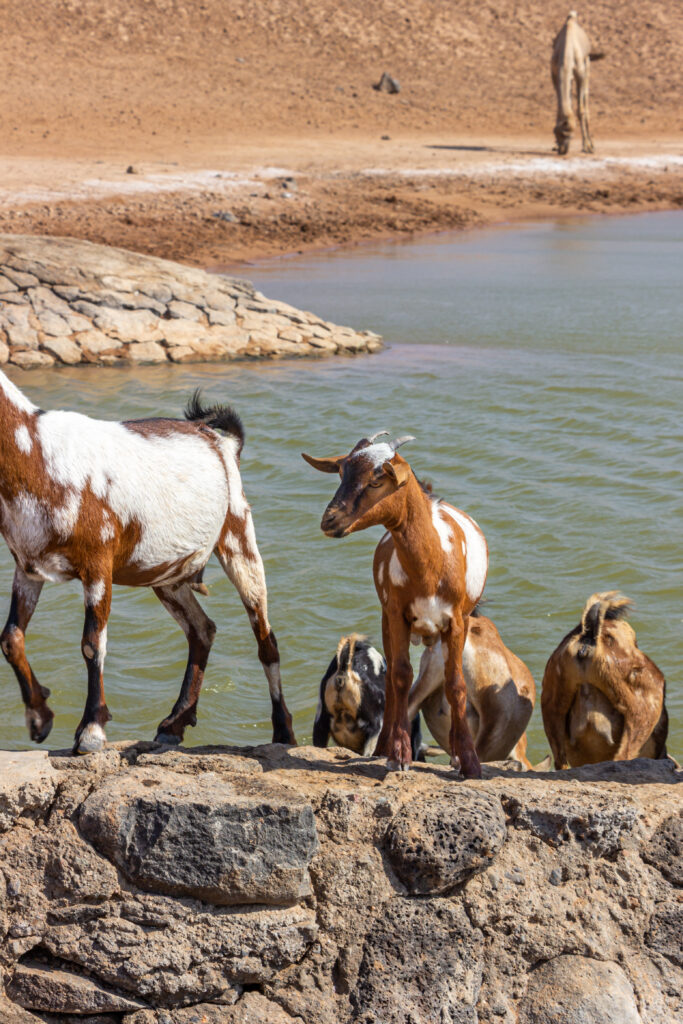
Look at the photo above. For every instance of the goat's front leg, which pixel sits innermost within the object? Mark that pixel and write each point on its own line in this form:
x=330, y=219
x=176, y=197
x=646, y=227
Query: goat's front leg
x=461, y=742
x=181, y=603
x=394, y=738
x=25, y=594
x=90, y=733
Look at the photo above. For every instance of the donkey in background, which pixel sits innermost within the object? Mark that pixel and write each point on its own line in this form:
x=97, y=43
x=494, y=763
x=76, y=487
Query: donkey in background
x=142, y=503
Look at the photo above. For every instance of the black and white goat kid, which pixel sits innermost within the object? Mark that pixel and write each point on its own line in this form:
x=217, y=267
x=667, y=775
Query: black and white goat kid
x=351, y=702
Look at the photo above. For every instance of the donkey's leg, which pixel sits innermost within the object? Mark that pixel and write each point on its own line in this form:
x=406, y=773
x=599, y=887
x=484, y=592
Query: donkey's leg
x=90, y=732
x=241, y=561
x=200, y=631
x=25, y=594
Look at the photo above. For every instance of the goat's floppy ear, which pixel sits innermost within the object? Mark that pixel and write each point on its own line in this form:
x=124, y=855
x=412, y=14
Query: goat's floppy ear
x=399, y=473
x=329, y=465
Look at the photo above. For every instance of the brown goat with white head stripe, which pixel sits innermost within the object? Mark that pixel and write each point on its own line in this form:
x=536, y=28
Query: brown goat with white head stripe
x=143, y=503
x=429, y=570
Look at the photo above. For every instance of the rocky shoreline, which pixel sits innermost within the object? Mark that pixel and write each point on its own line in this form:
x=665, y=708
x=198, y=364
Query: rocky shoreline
x=67, y=302
x=267, y=885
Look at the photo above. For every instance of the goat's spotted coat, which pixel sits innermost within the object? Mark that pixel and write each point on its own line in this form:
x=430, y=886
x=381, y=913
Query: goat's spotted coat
x=141, y=503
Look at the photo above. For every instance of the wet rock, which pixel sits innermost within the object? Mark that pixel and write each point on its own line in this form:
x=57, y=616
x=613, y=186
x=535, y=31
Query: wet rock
x=27, y=786
x=51, y=990
x=223, y=842
x=664, y=850
x=434, y=845
x=577, y=990
x=421, y=962
x=65, y=350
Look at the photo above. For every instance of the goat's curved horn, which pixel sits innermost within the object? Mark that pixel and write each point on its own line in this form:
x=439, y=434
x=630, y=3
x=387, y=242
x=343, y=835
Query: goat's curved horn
x=401, y=440
x=379, y=433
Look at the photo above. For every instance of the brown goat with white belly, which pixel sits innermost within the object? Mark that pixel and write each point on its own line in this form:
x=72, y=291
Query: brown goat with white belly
x=500, y=694
x=429, y=570
x=602, y=698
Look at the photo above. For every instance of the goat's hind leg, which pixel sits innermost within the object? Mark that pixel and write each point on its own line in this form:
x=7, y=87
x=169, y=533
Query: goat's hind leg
x=200, y=631
x=243, y=566
x=25, y=594
x=582, y=90
x=90, y=733
x=461, y=742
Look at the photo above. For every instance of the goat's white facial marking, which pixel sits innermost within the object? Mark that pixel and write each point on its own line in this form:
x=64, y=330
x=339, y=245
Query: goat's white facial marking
x=378, y=453
x=477, y=561
x=397, y=574
x=23, y=439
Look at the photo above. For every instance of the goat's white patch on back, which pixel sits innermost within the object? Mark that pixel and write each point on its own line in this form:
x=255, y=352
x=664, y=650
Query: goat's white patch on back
x=15, y=396
x=158, y=482
x=397, y=575
x=476, y=556
x=442, y=528
x=23, y=439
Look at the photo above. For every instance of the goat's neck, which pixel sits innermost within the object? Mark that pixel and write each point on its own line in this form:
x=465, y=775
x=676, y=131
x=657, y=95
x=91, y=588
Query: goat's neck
x=16, y=411
x=413, y=531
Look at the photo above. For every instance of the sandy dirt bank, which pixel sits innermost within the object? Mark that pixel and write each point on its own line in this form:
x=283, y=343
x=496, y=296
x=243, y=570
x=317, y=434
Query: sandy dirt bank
x=252, y=127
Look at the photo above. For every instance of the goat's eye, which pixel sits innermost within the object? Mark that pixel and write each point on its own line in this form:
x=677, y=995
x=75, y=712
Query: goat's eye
x=376, y=483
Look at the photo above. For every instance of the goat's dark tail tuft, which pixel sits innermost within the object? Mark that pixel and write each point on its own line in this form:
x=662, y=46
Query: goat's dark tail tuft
x=220, y=417
x=608, y=605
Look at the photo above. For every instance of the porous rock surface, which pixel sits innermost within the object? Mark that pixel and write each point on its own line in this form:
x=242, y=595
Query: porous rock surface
x=66, y=301
x=268, y=885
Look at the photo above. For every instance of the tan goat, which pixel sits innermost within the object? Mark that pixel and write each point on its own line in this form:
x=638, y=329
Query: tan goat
x=602, y=698
x=570, y=63
x=500, y=694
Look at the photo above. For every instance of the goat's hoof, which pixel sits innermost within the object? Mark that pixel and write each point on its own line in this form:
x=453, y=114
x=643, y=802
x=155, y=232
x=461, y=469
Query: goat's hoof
x=397, y=766
x=90, y=740
x=168, y=739
x=455, y=763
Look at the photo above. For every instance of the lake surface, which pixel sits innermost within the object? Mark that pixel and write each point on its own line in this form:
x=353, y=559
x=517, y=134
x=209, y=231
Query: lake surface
x=540, y=370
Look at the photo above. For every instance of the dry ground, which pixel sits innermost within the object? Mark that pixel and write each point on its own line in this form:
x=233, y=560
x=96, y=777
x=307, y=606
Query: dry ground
x=258, y=91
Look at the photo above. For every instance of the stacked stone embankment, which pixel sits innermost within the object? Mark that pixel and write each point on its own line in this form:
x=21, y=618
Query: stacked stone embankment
x=64, y=301
x=266, y=885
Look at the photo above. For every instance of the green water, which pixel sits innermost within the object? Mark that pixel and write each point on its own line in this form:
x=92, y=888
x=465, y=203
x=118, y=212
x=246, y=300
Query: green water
x=540, y=370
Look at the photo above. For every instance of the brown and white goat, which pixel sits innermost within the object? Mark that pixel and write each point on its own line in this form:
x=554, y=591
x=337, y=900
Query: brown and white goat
x=429, y=570
x=602, y=698
x=142, y=503
x=570, y=63
x=500, y=694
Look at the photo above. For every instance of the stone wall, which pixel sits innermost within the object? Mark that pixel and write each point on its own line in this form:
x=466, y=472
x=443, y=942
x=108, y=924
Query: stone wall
x=66, y=301
x=267, y=885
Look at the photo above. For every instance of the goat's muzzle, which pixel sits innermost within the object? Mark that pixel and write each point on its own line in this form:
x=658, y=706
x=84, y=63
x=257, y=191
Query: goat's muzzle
x=330, y=523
